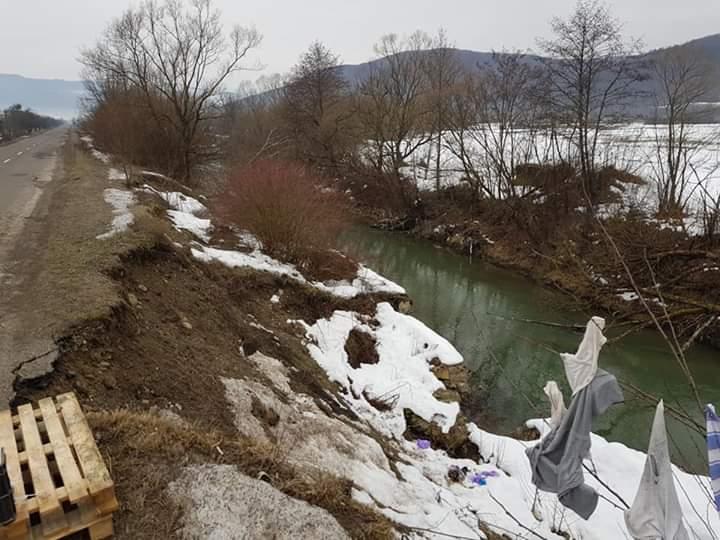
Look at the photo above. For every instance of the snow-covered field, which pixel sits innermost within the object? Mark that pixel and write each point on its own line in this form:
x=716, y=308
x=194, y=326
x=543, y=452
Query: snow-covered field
x=633, y=147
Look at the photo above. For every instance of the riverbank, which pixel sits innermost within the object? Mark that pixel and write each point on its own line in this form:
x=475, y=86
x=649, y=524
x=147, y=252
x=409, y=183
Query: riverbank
x=233, y=395
x=624, y=265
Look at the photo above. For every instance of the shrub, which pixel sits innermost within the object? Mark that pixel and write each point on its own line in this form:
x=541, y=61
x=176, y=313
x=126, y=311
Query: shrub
x=287, y=207
x=124, y=126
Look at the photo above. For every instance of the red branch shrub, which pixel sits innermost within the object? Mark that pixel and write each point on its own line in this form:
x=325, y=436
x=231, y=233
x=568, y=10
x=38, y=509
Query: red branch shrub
x=288, y=209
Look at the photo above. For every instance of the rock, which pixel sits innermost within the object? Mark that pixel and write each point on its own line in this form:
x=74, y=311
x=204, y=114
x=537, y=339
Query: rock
x=447, y=395
x=220, y=502
x=104, y=365
x=133, y=300
x=186, y=324
x=143, y=288
x=405, y=306
x=453, y=377
x=456, y=442
x=109, y=381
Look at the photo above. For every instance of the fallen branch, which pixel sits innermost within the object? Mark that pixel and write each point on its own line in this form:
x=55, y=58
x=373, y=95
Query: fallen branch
x=574, y=327
x=516, y=520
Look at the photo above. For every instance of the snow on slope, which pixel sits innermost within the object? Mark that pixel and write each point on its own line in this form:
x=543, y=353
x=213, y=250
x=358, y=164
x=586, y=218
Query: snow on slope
x=508, y=502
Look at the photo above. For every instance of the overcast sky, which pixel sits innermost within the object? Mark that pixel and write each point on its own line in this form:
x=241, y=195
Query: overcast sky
x=41, y=38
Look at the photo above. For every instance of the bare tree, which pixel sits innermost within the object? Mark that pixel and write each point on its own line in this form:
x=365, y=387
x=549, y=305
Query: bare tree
x=252, y=121
x=495, y=125
x=592, y=73
x=176, y=55
x=443, y=74
x=681, y=79
x=316, y=107
x=393, y=107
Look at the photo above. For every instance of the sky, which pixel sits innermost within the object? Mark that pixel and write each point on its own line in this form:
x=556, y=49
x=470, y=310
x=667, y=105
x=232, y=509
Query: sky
x=42, y=38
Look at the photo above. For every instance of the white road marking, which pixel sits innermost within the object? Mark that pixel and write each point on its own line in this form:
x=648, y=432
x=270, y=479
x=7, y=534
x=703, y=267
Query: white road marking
x=20, y=153
x=7, y=160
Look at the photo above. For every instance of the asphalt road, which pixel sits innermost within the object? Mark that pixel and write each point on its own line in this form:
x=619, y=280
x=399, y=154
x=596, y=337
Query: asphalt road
x=25, y=166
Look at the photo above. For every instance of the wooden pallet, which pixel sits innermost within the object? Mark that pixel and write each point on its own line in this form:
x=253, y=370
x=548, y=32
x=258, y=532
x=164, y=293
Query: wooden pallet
x=60, y=482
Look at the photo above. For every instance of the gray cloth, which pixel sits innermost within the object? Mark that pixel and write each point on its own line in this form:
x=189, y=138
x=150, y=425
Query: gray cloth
x=656, y=511
x=557, y=460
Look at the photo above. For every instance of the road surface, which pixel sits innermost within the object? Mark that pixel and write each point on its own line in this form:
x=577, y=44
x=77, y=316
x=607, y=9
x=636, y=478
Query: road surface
x=26, y=167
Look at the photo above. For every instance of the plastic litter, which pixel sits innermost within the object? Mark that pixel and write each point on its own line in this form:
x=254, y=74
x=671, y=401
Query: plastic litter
x=479, y=480
x=423, y=444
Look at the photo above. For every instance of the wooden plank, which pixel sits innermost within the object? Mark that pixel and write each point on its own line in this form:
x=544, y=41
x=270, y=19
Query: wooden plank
x=73, y=481
x=100, y=524
x=8, y=442
x=92, y=464
x=102, y=529
x=51, y=512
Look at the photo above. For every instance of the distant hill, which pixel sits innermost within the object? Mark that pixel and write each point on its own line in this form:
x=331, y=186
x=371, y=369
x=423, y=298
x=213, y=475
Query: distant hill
x=52, y=97
x=60, y=98
x=707, y=47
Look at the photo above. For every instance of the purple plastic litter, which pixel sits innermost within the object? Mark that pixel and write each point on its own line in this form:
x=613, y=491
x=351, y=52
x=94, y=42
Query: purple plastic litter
x=423, y=444
x=479, y=480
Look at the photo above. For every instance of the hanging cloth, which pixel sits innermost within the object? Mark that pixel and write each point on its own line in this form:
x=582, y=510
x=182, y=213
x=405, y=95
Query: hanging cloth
x=581, y=367
x=557, y=403
x=656, y=512
x=557, y=460
x=713, y=442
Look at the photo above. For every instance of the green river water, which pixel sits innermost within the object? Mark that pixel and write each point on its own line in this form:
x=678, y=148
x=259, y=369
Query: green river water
x=477, y=306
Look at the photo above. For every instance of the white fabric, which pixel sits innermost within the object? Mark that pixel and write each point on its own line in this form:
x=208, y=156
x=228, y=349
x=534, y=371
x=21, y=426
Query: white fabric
x=557, y=403
x=581, y=367
x=656, y=512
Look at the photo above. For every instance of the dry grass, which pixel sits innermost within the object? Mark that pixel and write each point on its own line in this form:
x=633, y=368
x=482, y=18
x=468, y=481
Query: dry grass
x=146, y=452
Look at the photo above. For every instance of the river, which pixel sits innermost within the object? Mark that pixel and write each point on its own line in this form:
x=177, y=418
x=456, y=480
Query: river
x=478, y=308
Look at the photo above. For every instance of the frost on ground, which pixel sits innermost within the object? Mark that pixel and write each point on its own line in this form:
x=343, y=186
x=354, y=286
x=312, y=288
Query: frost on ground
x=121, y=201
x=220, y=503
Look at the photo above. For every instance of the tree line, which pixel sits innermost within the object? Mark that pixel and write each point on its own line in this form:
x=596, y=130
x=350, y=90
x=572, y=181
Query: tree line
x=515, y=127
x=16, y=122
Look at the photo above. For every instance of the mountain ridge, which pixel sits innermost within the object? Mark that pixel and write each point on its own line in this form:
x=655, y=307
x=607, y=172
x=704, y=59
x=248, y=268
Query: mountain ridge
x=61, y=97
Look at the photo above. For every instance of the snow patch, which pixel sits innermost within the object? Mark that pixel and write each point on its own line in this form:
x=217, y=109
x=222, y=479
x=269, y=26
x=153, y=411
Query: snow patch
x=402, y=379
x=116, y=175
x=121, y=201
x=366, y=281
x=185, y=221
x=178, y=201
